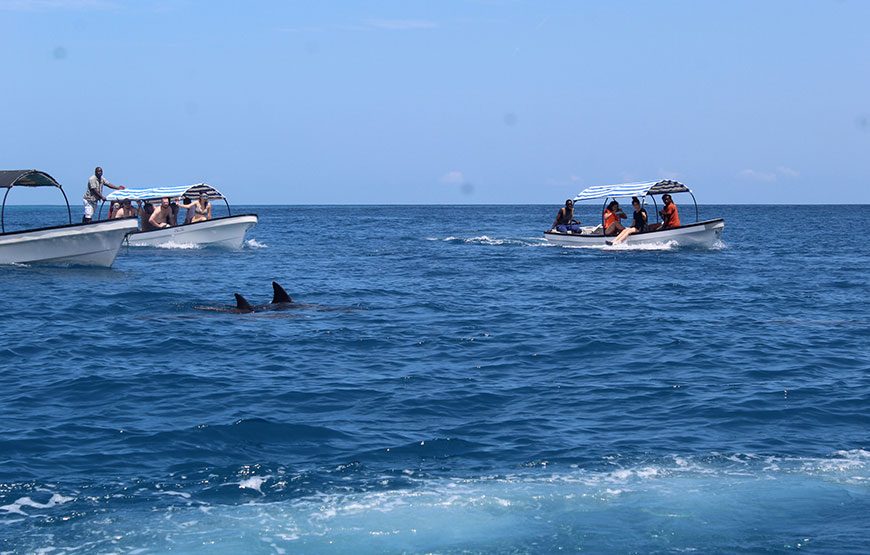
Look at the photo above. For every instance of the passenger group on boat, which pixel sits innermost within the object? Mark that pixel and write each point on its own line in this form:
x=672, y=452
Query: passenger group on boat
x=567, y=230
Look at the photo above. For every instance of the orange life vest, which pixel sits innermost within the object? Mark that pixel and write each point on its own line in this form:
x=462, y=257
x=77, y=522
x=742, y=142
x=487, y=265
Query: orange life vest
x=672, y=214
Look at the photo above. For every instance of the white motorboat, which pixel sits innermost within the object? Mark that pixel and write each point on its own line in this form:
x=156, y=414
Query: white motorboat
x=227, y=231
x=698, y=234
x=85, y=244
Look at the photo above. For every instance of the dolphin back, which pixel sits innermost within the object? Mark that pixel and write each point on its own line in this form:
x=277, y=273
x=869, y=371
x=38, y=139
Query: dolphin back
x=279, y=295
x=242, y=303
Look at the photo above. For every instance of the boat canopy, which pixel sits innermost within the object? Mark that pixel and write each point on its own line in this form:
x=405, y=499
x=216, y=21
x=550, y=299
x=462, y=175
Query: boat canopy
x=156, y=193
x=26, y=178
x=632, y=190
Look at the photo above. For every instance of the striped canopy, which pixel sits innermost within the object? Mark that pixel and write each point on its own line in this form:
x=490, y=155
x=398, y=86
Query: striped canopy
x=155, y=193
x=632, y=190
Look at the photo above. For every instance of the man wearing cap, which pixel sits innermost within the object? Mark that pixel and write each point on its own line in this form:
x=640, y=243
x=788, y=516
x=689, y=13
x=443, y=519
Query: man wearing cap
x=94, y=193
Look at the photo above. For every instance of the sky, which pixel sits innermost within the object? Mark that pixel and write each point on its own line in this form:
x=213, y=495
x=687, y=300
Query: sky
x=454, y=101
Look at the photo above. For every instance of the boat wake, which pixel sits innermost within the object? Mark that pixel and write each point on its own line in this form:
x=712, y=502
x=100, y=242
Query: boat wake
x=493, y=241
x=254, y=244
x=662, y=246
x=175, y=246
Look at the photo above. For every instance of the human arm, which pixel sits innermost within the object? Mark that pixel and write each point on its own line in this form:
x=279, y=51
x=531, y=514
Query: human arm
x=112, y=186
x=558, y=217
x=153, y=219
x=209, y=211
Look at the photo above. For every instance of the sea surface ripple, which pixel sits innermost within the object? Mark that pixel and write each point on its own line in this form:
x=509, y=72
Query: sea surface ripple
x=449, y=383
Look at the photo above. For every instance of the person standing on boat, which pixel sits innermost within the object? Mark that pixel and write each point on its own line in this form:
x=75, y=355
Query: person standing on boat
x=565, y=218
x=637, y=226
x=612, y=215
x=94, y=193
x=670, y=215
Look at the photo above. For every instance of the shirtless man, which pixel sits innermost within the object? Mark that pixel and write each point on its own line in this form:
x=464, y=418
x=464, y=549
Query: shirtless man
x=125, y=210
x=565, y=218
x=161, y=215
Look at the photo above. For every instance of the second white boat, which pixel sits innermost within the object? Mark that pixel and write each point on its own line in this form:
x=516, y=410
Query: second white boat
x=226, y=232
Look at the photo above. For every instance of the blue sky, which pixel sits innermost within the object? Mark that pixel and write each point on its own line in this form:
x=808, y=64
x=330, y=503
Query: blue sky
x=442, y=101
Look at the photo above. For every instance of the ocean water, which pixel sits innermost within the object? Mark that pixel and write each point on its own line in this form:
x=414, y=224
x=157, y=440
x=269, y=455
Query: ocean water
x=449, y=384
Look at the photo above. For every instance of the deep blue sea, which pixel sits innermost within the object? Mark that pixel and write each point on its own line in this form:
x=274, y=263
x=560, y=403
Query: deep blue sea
x=449, y=384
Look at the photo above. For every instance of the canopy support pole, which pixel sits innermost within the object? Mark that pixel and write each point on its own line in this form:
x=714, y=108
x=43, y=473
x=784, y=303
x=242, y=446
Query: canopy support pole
x=229, y=212
x=68, y=209
x=696, y=206
x=603, y=208
x=3, y=212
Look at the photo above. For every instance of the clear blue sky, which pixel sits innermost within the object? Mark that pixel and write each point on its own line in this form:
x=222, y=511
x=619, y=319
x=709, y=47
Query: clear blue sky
x=441, y=101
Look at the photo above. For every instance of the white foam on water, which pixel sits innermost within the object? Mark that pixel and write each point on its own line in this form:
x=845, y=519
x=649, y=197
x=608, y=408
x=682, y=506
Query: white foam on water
x=171, y=245
x=18, y=506
x=681, y=503
x=659, y=246
x=495, y=241
x=254, y=244
x=181, y=494
x=254, y=483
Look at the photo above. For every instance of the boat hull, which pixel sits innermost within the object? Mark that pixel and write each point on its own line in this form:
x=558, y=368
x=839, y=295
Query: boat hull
x=700, y=234
x=93, y=244
x=228, y=232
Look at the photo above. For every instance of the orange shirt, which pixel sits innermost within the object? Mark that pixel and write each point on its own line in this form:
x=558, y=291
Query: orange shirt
x=609, y=218
x=672, y=215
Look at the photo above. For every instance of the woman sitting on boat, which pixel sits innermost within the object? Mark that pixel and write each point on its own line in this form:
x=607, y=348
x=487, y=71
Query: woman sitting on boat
x=565, y=219
x=201, y=208
x=612, y=215
x=637, y=226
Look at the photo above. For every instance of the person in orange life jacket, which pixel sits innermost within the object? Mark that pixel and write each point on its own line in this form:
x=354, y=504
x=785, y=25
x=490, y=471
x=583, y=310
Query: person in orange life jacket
x=612, y=215
x=670, y=215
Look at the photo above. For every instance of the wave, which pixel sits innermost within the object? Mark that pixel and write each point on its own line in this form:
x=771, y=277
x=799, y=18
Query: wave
x=659, y=246
x=178, y=246
x=677, y=503
x=254, y=244
x=17, y=507
x=493, y=241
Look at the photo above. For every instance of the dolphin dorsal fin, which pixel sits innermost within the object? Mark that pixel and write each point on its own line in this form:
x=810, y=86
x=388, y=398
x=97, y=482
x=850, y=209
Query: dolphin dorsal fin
x=242, y=303
x=279, y=295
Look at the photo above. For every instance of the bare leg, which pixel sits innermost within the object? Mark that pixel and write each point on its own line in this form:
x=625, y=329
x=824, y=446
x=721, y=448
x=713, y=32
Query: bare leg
x=623, y=235
x=613, y=228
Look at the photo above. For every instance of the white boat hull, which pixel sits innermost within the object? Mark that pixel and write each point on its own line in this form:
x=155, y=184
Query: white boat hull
x=701, y=234
x=228, y=232
x=93, y=244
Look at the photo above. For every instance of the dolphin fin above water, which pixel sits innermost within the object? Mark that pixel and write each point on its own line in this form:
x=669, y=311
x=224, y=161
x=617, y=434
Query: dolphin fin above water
x=279, y=296
x=280, y=301
x=243, y=304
